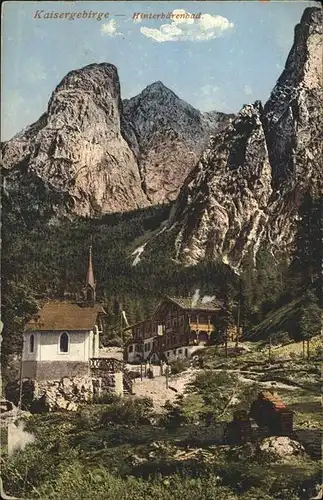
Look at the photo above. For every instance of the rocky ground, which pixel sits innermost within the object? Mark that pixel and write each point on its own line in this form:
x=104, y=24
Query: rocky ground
x=156, y=388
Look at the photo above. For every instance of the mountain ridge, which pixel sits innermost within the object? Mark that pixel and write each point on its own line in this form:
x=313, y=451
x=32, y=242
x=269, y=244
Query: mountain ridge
x=90, y=154
x=247, y=188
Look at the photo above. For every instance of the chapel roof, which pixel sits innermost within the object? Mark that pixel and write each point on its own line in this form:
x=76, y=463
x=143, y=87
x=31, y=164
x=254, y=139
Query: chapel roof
x=59, y=315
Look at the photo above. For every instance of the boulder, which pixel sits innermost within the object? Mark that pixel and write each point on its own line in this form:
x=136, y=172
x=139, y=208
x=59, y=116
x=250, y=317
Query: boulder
x=280, y=447
x=65, y=394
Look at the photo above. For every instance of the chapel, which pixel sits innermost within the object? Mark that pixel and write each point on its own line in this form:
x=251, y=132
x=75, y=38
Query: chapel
x=62, y=338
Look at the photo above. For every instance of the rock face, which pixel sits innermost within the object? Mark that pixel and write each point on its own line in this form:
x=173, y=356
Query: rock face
x=76, y=150
x=167, y=135
x=64, y=394
x=248, y=185
x=69, y=392
x=84, y=156
x=223, y=203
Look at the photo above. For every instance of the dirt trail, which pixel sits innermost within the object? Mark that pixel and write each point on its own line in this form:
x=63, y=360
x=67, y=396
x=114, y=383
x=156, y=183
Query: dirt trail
x=156, y=388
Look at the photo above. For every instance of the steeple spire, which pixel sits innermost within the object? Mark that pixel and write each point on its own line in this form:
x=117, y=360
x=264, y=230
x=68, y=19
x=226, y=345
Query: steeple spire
x=90, y=275
x=90, y=283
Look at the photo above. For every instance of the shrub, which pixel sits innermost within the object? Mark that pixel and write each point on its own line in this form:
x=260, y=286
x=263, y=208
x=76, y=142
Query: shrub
x=188, y=410
x=280, y=338
x=106, y=398
x=133, y=374
x=317, y=354
x=134, y=411
x=89, y=417
x=12, y=393
x=221, y=392
x=178, y=366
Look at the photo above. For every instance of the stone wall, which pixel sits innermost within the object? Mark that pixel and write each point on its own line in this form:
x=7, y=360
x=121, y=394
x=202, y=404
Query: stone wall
x=68, y=392
x=107, y=382
x=65, y=393
x=29, y=369
x=54, y=370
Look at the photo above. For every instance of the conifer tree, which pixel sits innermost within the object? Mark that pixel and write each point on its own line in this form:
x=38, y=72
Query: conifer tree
x=310, y=318
x=308, y=250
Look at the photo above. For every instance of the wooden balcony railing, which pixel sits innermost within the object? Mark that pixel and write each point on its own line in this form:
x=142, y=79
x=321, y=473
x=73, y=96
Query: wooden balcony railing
x=200, y=326
x=110, y=365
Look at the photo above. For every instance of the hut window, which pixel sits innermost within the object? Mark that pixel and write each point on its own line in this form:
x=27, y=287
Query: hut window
x=130, y=348
x=63, y=342
x=32, y=343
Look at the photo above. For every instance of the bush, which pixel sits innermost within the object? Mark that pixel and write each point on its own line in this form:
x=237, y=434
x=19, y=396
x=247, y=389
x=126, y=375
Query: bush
x=12, y=393
x=188, y=410
x=135, y=411
x=178, y=366
x=133, y=374
x=106, y=398
x=317, y=354
x=217, y=390
x=280, y=338
x=89, y=416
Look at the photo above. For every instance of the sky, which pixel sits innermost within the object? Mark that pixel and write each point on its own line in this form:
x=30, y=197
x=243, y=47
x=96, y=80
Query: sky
x=229, y=54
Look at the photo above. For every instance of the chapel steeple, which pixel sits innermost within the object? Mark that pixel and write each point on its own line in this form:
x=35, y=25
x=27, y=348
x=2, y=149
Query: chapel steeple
x=90, y=285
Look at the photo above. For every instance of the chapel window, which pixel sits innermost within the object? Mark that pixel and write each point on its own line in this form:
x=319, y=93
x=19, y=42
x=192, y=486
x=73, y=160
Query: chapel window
x=32, y=343
x=63, y=342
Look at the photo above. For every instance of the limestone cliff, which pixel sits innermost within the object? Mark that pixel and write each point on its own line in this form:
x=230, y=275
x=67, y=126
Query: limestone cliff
x=248, y=185
x=168, y=136
x=87, y=157
x=76, y=150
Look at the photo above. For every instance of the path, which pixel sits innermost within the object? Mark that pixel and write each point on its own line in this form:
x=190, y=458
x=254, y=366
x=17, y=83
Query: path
x=156, y=388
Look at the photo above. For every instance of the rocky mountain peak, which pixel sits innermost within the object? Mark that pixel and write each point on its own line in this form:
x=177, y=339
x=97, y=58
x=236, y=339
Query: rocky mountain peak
x=77, y=149
x=222, y=206
x=96, y=84
x=90, y=153
x=303, y=68
x=247, y=188
x=168, y=135
x=293, y=113
x=156, y=89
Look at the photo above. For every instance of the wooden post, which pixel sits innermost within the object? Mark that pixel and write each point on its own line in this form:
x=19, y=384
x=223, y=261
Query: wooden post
x=141, y=369
x=226, y=342
x=238, y=321
x=269, y=347
x=167, y=374
x=146, y=369
x=308, y=348
x=20, y=385
x=1, y=388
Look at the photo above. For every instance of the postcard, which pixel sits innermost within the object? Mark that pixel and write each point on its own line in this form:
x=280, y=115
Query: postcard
x=161, y=250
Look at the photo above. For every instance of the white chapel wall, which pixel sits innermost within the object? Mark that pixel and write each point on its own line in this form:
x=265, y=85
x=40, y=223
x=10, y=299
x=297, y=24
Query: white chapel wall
x=78, y=347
